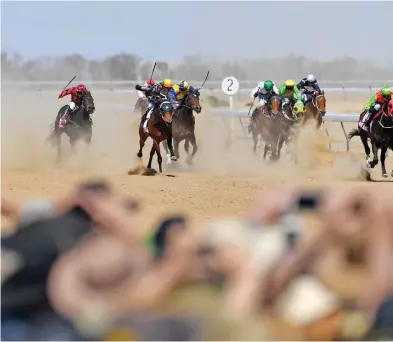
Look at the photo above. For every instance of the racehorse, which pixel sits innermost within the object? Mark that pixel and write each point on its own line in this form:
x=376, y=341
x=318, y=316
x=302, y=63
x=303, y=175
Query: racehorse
x=183, y=126
x=79, y=127
x=316, y=109
x=159, y=127
x=267, y=124
x=380, y=134
x=141, y=105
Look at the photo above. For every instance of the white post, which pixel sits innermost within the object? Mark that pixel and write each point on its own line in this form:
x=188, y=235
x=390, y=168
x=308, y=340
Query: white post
x=230, y=86
x=232, y=119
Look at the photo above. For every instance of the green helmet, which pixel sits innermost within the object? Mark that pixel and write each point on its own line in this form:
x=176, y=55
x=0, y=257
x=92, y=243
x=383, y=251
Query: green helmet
x=386, y=91
x=268, y=85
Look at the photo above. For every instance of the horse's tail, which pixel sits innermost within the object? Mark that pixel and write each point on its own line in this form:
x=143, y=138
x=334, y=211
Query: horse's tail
x=353, y=133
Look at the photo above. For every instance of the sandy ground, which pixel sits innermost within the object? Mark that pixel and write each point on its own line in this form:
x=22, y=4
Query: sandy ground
x=222, y=182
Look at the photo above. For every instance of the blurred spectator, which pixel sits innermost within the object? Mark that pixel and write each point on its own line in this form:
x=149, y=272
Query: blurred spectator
x=84, y=268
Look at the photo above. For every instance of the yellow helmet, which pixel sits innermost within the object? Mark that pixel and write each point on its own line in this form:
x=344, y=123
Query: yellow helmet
x=183, y=85
x=167, y=83
x=290, y=83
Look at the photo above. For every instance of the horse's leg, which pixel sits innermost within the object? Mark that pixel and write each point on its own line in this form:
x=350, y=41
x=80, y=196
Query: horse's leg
x=363, y=138
x=187, y=146
x=169, y=143
x=383, y=158
x=375, y=155
x=319, y=121
x=265, y=150
x=159, y=157
x=142, y=140
x=255, y=139
x=165, y=144
x=280, y=143
x=176, y=148
x=194, y=149
x=152, y=151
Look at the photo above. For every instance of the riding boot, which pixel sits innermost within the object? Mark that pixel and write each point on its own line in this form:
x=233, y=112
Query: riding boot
x=365, y=123
x=63, y=118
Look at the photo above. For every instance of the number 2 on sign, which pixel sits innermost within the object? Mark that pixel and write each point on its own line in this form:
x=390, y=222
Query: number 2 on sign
x=231, y=83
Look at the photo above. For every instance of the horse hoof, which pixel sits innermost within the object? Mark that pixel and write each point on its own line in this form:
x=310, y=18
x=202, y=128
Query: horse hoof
x=385, y=175
x=139, y=155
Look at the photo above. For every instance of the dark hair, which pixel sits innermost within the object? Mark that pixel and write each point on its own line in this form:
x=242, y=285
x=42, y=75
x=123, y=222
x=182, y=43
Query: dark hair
x=160, y=236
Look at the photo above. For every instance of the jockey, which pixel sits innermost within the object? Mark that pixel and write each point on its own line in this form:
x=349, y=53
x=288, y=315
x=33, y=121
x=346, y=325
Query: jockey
x=166, y=86
x=163, y=88
x=76, y=96
x=178, y=92
x=374, y=105
x=264, y=91
x=289, y=93
x=309, y=87
x=150, y=88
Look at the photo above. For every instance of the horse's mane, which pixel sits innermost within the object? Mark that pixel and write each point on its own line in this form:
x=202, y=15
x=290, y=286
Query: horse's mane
x=184, y=112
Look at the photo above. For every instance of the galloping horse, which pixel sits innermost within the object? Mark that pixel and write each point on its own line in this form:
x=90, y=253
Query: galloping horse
x=267, y=124
x=141, y=105
x=183, y=126
x=159, y=126
x=79, y=127
x=380, y=134
x=316, y=109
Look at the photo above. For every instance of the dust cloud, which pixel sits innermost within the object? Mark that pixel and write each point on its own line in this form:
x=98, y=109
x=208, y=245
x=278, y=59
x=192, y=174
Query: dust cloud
x=26, y=118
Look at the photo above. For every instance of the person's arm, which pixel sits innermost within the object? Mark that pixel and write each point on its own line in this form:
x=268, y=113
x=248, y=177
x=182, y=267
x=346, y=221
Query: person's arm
x=298, y=94
x=66, y=92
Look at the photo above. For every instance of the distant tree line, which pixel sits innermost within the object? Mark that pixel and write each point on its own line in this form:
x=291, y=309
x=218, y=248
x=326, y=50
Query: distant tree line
x=126, y=66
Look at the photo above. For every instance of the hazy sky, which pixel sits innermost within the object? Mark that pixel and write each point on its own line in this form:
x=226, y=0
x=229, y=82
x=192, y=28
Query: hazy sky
x=169, y=30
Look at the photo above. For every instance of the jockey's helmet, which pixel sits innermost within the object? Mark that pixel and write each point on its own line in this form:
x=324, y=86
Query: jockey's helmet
x=386, y=92
x=290, y=84
x=150, y=81
x=268, y=85
x=311, y=78
x=183, y=86
x=167, y=83
x=81, y=88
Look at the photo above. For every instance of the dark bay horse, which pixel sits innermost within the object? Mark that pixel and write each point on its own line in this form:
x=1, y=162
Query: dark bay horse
x=183, y=126
x=267, y=124
x=315, y=109
x=380, y=134
x=160, y=128
x=79, y=127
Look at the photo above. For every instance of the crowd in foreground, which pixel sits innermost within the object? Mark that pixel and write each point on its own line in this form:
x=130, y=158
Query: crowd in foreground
x=303, y=264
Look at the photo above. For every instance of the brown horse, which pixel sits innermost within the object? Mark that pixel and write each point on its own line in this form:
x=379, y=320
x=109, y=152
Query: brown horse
x=183, y=126
x=141, y=105
x=267, y=125
x=315, y=109
x=159, y=127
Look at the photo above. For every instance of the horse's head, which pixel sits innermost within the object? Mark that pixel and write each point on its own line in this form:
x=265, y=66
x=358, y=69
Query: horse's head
x=275, y=103
x=298, y=108
x=320, y=103
x=166, y=112
x=88, y=103
x=192, y=101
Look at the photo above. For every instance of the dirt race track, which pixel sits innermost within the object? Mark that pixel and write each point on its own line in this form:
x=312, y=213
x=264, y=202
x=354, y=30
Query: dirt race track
x=222, y=182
